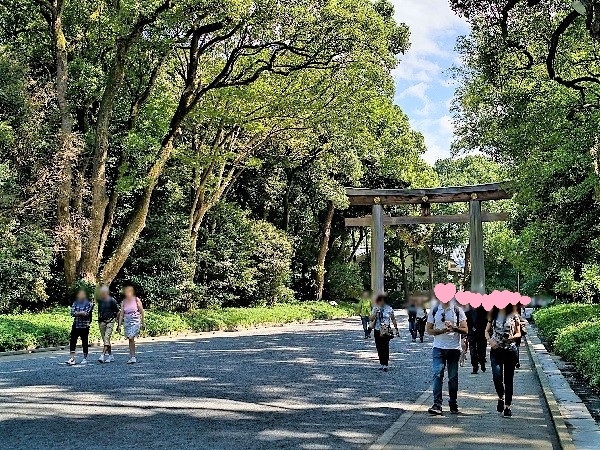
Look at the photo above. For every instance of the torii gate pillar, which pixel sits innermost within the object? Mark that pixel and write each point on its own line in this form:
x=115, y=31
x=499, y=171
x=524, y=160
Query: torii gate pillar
x=476, y=246
x=377, y=238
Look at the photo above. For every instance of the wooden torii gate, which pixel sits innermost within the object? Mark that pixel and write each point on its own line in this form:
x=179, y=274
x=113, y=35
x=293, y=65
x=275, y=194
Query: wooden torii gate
x=377, y=198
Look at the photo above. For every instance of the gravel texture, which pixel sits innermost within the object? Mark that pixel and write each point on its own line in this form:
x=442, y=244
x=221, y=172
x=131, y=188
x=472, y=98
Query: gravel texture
x=305, y=386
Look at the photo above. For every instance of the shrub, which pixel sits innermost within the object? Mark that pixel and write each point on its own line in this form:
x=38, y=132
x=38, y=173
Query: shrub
x=574, y=330
x=242, y=262
x=554, y=318
x=344, y=281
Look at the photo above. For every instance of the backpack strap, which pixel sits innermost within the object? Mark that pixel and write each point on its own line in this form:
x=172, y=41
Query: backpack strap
x=457, y=315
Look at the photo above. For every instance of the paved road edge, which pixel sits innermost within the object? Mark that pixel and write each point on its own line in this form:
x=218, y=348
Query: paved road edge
x=389, y=434
x=172, y=336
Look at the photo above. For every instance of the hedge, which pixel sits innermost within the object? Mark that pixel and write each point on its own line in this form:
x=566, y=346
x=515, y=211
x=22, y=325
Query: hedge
x=574, y=332
x=52, y=328
x=554, y=318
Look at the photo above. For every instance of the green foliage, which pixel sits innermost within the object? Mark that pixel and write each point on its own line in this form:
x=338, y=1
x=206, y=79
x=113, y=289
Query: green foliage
x=28, y=331
x=243, y=262
x=344, y=281
x=25, y=255
x=550, y=321
x=575, y=330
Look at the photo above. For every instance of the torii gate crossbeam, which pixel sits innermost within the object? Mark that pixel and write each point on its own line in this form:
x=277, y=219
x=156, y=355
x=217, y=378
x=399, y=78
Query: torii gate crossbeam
x=472, y=194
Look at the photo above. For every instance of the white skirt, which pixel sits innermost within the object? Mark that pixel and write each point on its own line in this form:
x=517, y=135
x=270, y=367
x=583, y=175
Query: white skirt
x=132, y=325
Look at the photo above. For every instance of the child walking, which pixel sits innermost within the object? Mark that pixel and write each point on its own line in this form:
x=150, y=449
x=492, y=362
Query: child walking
x=81, y=311
x=132, y=316
x=108, y=310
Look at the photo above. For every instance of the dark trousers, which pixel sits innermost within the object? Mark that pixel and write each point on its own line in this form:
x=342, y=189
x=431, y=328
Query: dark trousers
x=412, y=327
x=77, y=333
x=421, y=327
x=365, y=324
x=503, y=362
x=477, y=348
x=383, y=348
x=443, y=358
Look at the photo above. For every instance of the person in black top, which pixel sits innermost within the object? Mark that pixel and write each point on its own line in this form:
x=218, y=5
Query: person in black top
x=477, y=322
x=412, y=320
x=108, y=309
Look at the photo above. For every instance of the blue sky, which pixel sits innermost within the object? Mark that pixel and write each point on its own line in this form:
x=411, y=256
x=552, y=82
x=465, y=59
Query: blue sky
x=424, y=89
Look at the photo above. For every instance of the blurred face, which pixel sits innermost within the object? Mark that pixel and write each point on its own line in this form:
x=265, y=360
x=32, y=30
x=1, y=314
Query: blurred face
x=379, y=302
x=81, y=295
x=104, y=294
x=129, y=292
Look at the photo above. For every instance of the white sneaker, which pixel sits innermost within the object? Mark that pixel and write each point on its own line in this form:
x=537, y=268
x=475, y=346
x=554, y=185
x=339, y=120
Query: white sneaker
x=109, y=359
x=83, y=362
x=102, y=358
x=70, y=362
x=132, y=360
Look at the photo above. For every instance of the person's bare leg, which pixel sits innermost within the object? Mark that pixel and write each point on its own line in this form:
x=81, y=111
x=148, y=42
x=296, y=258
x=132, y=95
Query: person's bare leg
x=132, y=347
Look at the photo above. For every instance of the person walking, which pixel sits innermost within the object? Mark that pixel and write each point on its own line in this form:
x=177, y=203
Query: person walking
x=502, y=331
x=382, y=317
x=364, y=311
x=446, y=323
x=411, y=310
x=477, y=322
x=421, y=321
x=108, y=310
x=81, y=311
x=132, y=316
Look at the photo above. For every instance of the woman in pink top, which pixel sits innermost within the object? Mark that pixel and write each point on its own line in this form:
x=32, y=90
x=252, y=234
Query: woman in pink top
x=132, y=315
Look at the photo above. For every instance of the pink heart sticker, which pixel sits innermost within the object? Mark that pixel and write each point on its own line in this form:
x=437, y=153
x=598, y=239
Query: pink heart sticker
x=444, y=292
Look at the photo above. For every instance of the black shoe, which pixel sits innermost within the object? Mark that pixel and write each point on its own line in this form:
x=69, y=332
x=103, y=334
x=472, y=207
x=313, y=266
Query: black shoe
x=385, y=369
x=475, y=371
x=500, y=406
x=453, y=409
x=507, y=412
x=380, y=368
x=483, y=368
x=518, y=366
x=436, y=410
x=421, y=339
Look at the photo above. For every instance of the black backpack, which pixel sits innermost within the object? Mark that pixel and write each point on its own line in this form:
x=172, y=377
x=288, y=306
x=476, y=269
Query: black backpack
x=456, y=313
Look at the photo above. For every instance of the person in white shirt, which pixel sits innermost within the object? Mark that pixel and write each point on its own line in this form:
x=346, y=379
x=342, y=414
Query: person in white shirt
x=382, y=317
x=447, y=323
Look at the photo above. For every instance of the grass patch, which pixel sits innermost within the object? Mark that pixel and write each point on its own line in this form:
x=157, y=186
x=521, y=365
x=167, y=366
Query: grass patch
x=52, y=328
x=574, y=332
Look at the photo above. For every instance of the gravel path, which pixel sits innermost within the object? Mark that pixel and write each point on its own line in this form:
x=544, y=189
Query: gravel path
x=309, y=386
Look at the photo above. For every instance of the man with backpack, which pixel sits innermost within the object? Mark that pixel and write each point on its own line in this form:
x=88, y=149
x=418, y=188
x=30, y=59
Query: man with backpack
x=447, y=323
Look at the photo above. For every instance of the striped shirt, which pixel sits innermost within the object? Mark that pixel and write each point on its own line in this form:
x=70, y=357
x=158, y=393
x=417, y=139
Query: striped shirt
x=82, y=321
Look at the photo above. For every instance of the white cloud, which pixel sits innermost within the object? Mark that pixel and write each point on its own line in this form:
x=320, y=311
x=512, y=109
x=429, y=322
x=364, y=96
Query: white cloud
x=425, y=89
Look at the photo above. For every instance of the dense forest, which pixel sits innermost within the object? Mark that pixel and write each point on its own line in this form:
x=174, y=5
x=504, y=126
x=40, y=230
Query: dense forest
x=201, y=148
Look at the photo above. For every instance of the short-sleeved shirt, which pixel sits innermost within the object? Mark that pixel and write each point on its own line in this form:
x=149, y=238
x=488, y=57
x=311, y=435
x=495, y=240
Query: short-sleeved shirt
x=383, y=315
x=504, y=328
x=364, y=307
x=85, y=306
x=446, y=341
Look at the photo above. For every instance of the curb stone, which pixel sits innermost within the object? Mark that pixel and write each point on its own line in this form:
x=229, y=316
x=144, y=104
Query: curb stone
x=575, y=427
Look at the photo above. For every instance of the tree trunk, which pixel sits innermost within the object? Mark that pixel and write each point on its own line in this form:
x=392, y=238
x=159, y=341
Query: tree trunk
x=67, y=151
x=467, y=269
x=137, y=222
x=286, y=200
x=320, y=275
x=404, y=277
x=430, y=267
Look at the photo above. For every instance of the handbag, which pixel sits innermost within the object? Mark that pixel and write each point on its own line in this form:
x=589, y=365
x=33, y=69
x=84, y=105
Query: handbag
x=386, y=331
